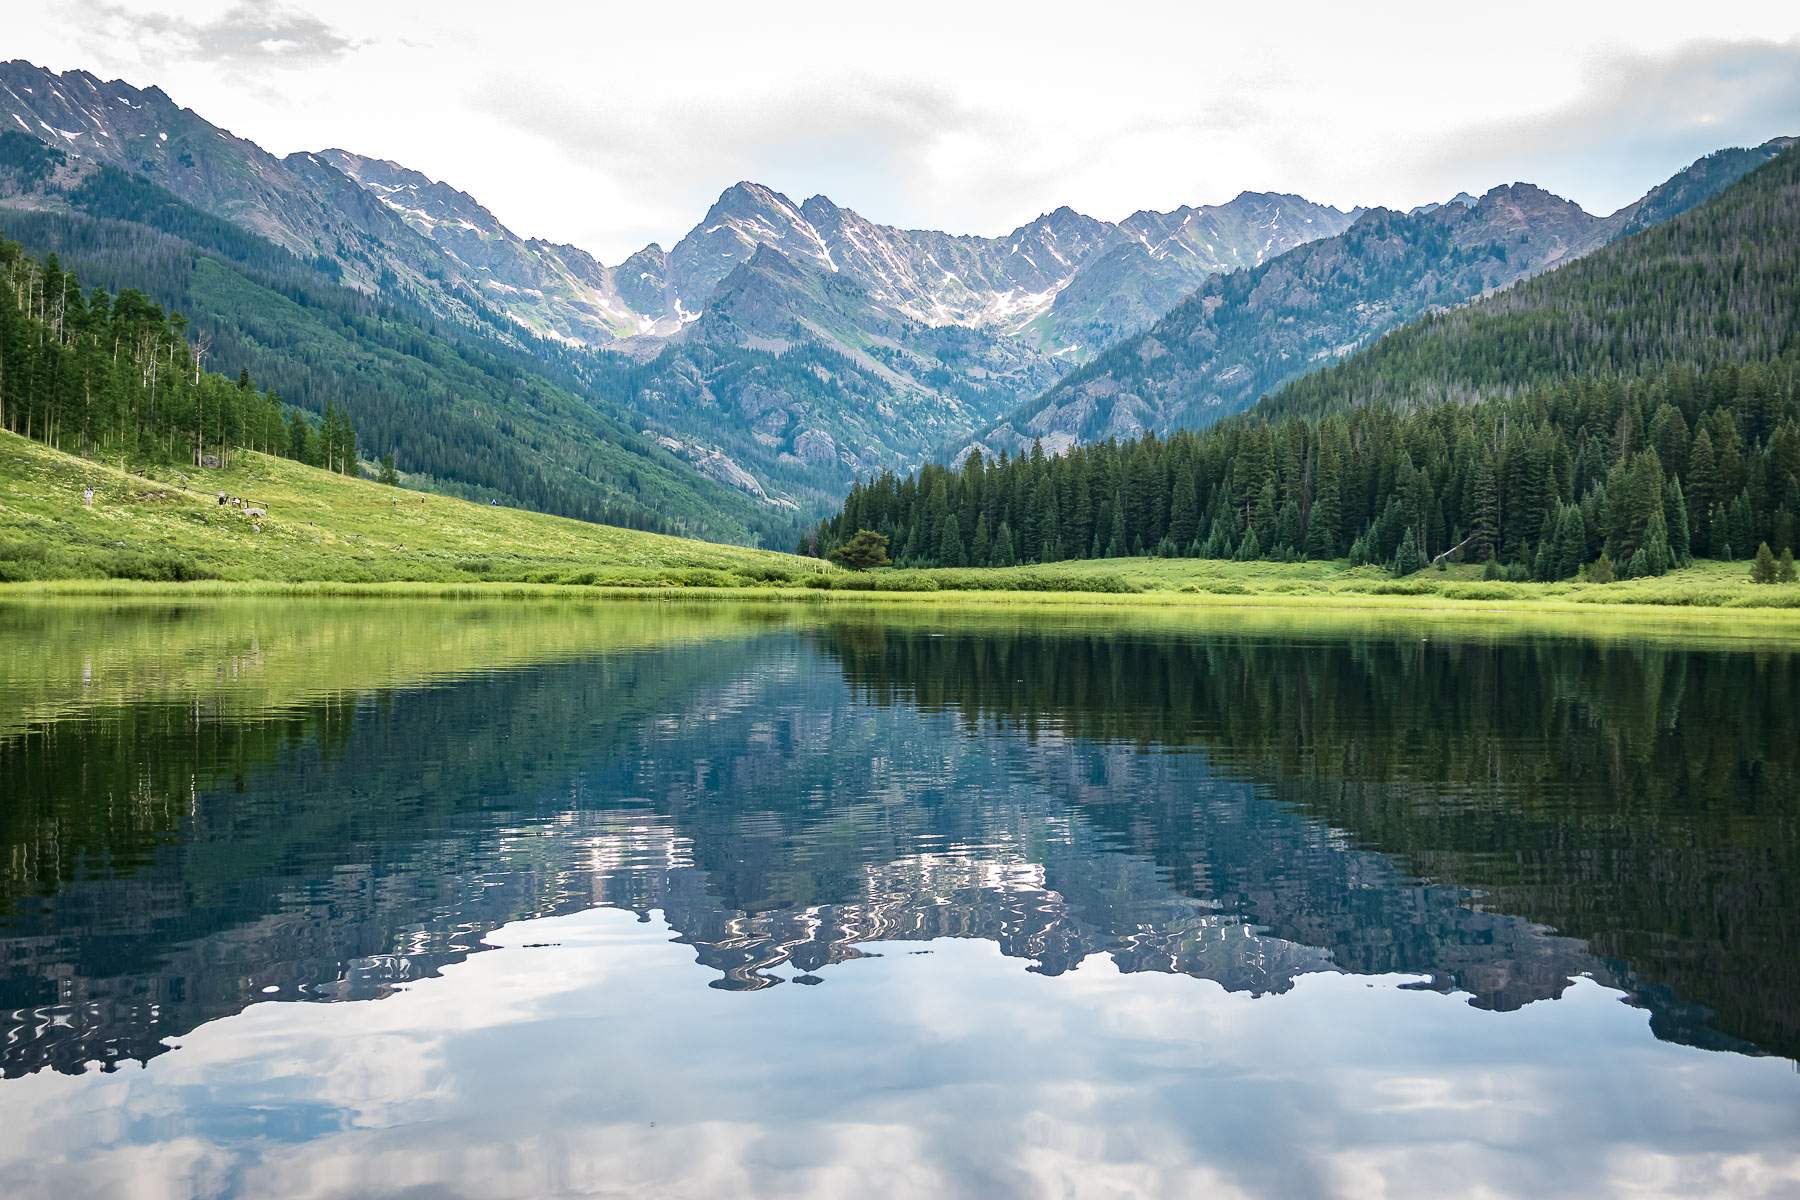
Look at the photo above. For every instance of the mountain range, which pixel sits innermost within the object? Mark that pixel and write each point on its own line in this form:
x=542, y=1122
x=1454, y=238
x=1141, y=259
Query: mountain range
x=743, y=378
x=908, y=338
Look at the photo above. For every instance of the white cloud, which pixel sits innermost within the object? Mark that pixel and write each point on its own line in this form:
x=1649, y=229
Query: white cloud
x=251, y=34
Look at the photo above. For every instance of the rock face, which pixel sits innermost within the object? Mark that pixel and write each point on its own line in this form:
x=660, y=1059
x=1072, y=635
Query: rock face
x=817, y=346
x=1010, y=286
x=1241, y=334
x=558, y=291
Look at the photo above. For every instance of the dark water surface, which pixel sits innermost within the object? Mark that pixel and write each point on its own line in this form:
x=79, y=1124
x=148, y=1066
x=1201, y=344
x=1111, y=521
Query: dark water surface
x=357, y=899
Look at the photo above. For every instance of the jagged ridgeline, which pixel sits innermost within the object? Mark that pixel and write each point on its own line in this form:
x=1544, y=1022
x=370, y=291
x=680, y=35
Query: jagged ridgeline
x=94, y=373
x=461, y=411
x=1650, y=410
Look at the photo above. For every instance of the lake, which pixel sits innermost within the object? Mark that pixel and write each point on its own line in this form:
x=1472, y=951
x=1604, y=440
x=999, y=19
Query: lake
x=366, y=898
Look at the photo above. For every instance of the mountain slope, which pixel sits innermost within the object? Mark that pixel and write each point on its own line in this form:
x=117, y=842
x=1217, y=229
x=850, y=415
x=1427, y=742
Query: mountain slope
x=820, y=347
x=1243, y=334
x=1714, y=284
x=459, y=410
x=794, y=378
x=555, y=290
x=1003, y=285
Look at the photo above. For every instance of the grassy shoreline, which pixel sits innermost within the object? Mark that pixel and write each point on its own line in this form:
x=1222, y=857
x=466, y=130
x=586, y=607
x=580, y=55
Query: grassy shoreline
x=1687, y=604
x=161, y=534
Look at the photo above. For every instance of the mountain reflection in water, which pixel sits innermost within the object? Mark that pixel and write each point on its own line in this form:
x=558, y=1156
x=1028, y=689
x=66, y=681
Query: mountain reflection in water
x=1495, y=816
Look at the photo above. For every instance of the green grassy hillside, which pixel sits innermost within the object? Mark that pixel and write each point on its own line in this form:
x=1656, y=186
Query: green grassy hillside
x=168, y=524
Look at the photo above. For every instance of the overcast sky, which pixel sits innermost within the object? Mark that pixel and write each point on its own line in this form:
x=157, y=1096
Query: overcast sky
x=611, y=125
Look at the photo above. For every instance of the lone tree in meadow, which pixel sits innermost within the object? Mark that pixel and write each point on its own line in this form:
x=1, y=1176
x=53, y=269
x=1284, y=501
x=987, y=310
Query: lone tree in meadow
x=864, y=550
x=1784, y=566
x=1764, y=570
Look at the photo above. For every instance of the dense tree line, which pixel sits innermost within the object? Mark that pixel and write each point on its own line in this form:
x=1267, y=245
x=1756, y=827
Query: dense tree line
x=91, y=372
x=1646, y=472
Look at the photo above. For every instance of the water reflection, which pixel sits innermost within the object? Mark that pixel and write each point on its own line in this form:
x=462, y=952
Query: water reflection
x=1495, y=817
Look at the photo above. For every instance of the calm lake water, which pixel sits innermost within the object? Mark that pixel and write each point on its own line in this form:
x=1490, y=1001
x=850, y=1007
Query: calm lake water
x=363, y=899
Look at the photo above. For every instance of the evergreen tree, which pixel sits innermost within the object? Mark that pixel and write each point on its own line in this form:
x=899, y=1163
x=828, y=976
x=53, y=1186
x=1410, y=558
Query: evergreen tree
x=1003, y=547
x=865, y=550
x=1250, y=548
x=1653, y=556
x=1484, y=505
x=1675, y=521
x=950, y=545
x=1764, y=568
x=1407, y=557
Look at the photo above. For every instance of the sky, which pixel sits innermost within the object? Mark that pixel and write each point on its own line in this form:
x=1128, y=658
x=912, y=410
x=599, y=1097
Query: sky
x=611, y=125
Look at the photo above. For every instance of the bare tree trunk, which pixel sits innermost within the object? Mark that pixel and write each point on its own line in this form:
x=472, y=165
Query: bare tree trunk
x=1452, y=550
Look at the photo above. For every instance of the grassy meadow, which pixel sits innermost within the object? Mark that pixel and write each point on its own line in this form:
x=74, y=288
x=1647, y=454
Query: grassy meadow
x=166, y=524
x=162, y=530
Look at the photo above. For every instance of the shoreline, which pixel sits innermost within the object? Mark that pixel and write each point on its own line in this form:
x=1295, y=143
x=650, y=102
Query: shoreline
x=1782, y=617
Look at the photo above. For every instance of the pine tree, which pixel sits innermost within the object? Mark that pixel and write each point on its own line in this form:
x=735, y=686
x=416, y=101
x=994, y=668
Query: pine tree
x=1571, y=543
x=1324, y=520
x=1784, y=567
x=1184, y=507
x=1764, y=568
x=1407, y=558
x=1675, y=521
x=1654, y=556
x=1484, y=502
x=1003, y=555
x=1250, y=548
x=950, y=545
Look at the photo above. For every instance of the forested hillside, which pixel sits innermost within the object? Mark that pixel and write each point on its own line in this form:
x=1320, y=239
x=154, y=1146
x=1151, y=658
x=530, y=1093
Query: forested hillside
x=1243, y=334
x=1643, y=404
x=97, y=375
x=1716, y=284
x=461, y=412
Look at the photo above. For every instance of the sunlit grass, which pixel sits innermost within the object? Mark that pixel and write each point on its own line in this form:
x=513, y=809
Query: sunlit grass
x=166, y=524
